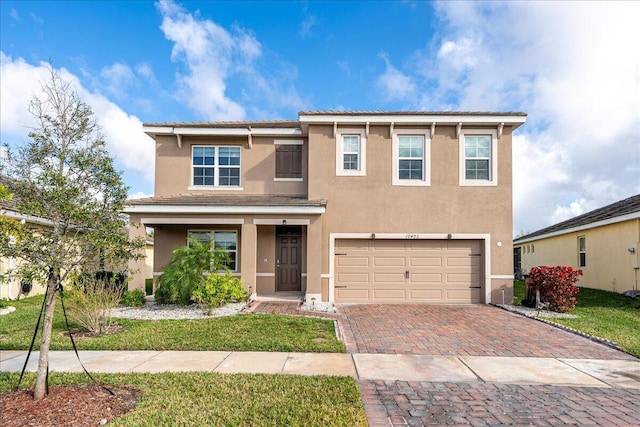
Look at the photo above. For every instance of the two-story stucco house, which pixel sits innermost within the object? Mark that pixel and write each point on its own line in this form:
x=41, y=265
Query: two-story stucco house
x=381, y=207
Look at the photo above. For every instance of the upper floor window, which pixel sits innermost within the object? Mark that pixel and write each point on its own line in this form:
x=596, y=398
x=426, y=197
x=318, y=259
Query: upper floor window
x=582, y=251
x=351, y=153
x=216, y=166
x=225, y=240
x=411, y=158
x=288, y=160
x=478, y=157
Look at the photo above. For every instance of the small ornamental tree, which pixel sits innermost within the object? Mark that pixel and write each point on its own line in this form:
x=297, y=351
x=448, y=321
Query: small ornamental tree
x=557, y=286
x=64, y=179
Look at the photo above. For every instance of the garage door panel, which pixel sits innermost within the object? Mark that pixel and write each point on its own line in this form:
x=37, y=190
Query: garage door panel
x=389, y=261
x=440, y=271
x=352, y=261
x=388, y=277
x=344, y=278
x=426, y=278
x=425, y=261
x=426, y=295
x=388, y=245
x=462, y=278
x=463, y=261
x=352, y=295
x=389, y=294
x=426, y=245
x=357, y=244
x=463, y=295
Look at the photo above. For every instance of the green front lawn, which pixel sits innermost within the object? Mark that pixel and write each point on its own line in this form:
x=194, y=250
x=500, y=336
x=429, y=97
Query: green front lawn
x=603, y=314
x=245, y=332
x=210, y=399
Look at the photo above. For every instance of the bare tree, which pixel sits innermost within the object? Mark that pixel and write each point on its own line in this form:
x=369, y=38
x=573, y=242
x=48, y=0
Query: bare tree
x=64, y=174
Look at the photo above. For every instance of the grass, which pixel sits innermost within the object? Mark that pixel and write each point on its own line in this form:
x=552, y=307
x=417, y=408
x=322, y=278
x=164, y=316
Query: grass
x=604, y=314
x=258, y=332
x=228, y=399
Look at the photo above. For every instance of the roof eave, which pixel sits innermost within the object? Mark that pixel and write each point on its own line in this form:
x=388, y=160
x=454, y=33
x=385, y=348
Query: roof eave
x=225, y=209
x=609, y=221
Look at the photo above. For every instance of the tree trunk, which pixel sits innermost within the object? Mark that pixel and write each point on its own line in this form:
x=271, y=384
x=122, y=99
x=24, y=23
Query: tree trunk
x=40, y=390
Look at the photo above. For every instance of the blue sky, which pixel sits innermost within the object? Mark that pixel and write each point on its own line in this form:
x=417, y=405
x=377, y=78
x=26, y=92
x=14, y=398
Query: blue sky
x=572, y=66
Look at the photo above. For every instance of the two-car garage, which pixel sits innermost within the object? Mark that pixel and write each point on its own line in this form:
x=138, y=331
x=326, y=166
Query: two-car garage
x=446, y=271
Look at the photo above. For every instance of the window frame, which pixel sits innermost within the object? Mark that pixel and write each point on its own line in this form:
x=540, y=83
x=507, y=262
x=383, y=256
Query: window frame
x=212, y=234
x=216, y=169
x=280, y=142
x=582, y=251
x=426, y=158
x=493, y=158
x=362, y=153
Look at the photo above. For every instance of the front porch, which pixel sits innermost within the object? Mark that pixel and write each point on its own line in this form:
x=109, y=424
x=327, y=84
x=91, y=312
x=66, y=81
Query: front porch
x=274, y=250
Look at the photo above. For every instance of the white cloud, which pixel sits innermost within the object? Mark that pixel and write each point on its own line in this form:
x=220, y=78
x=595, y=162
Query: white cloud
x=209, y=51
x=573, y=67
x=393, y=83
x=21, y=81
x=146, y=72
x=216, y=57
x=14, y=14
x=306, y=26
x=139, y=195
x=563, y=213
x=118, y=77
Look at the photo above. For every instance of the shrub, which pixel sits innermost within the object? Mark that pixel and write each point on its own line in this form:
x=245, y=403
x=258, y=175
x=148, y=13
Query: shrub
x=216, y=290
x=89, y=303
x=557, y=286
x=185, y=271
x=4, y=302
x=134, y=298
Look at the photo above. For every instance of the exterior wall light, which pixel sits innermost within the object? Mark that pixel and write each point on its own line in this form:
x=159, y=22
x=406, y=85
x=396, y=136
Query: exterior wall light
x=632, y=250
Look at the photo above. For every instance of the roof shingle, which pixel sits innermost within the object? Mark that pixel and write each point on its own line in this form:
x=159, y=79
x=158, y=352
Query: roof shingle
x=623, y=207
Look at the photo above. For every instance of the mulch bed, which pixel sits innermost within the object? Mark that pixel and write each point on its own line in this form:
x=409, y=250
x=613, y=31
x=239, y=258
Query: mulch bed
x=73, y=405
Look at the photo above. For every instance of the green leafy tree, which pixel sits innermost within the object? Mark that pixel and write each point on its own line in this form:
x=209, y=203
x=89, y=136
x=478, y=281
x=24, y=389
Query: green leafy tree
x=64, y=177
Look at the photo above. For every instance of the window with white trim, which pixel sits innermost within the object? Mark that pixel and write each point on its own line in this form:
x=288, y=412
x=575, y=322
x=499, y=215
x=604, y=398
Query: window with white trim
x=351, y=152
x=582, y=251
x=215, y=166
x=478, y=157
x=411, y=157
x=225, y=240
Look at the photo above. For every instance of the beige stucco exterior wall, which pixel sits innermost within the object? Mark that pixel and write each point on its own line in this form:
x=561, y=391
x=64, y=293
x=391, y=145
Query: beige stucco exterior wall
x=610, y=266
x=173, y=166
x=371, y=204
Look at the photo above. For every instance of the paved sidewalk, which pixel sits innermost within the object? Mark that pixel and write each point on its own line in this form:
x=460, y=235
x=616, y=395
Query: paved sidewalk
x=385, y=367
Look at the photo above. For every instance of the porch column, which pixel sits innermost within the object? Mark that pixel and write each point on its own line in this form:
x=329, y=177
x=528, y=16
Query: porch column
x=314, y=260
x=137, y=269
x=248, y=254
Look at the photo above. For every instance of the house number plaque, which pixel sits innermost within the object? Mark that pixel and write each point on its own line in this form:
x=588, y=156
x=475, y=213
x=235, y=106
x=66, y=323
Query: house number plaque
x=413, y=236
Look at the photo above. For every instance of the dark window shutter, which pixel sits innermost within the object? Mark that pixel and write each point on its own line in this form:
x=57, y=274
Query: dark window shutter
x=289, y=161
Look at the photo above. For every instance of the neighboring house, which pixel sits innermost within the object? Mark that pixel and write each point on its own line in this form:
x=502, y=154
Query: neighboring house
x=10, y=283
x=386, y=207
x=603, y=243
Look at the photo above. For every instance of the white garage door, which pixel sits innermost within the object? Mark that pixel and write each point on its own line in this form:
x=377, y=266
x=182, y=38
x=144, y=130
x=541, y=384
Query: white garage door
x=435, y=271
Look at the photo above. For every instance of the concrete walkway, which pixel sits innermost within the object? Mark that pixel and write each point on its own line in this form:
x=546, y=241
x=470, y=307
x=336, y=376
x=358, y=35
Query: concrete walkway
x=384, y=367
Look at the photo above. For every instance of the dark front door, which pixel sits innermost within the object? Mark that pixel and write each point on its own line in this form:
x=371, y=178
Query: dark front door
x=288, y=264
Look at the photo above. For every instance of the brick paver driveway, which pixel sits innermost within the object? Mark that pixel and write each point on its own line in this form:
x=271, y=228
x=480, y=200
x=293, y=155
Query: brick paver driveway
x=478, y=330
x=460, y=330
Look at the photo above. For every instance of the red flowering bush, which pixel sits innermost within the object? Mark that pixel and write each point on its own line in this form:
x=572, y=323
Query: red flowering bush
x=557, y=286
